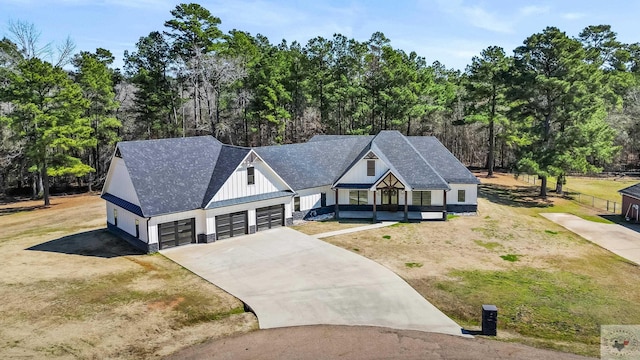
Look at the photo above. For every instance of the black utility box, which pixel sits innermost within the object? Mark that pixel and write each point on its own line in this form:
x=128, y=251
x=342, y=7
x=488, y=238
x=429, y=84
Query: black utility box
x=489, y=320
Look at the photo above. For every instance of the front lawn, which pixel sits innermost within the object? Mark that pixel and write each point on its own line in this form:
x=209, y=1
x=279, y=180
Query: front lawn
x=553, y=289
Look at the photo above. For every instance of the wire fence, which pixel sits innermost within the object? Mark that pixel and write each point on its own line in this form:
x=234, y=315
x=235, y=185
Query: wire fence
x=581, y=198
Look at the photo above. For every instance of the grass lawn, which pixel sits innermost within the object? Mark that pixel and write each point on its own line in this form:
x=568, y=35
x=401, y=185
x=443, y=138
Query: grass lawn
x=69, y=289
x=604, y=188
x=553, y=289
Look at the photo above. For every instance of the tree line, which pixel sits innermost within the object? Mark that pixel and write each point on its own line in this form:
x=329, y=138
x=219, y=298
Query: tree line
x=558, y=104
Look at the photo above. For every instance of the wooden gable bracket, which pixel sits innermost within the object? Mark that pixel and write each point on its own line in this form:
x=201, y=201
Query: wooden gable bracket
x=251, y=159
x=390, y=182
x=370, y=156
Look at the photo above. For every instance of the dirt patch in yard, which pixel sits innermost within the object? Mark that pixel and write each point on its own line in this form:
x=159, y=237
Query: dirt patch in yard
x=69, y=289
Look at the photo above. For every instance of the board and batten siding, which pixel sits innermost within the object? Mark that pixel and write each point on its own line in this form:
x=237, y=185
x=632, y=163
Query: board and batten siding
x=127, y=221
x=471, y=194
x=358, y=173
x=199, y=215
x=119, y=182
x=236, y=186
x=311, y=198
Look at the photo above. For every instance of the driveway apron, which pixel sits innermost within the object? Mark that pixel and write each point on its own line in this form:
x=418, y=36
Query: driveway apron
x=292, y=279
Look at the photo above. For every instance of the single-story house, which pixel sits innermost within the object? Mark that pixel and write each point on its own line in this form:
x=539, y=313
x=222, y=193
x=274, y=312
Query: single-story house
x=169, y=192
x=631, y=202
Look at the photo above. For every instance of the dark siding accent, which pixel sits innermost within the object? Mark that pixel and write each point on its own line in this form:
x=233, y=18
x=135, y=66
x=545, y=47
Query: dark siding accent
x=132, y=208
x=303, y=215
x=137, y=243
x=462, y=208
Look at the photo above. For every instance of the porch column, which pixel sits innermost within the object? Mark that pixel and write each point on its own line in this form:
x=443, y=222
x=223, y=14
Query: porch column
x=337, y=214
x=375, y=214
x=406, y=207
x=444, y=202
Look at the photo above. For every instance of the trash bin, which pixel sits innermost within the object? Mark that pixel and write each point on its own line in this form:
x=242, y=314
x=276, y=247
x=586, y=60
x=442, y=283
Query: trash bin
x=489, y=320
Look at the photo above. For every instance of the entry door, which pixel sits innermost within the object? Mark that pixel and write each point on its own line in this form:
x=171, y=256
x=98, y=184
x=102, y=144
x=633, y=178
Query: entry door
x=389, y=199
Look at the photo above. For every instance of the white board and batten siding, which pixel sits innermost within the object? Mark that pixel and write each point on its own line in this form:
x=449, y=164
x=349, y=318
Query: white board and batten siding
x=358, y=173
x=236, y=186
x=127, y=221
x=199, y=215
x=119, y=183
x=470, y=197
x=312, y=198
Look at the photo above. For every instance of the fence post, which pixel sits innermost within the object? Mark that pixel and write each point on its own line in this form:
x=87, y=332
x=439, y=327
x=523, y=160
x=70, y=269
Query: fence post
x=607, y=205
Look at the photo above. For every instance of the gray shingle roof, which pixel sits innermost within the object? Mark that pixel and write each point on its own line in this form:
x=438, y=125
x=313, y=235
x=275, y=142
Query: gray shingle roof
x=133, y=208
x=181, y=174
x=248, y=199
x=405, y=161
x=633, y=190
x=173, y=175
x=447, y=165
x=315, y=163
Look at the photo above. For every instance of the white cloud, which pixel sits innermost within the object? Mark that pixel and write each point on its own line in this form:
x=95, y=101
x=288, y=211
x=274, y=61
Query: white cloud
x=477, y=16
x=534, y=10
x=480, y=18
x=573, y=16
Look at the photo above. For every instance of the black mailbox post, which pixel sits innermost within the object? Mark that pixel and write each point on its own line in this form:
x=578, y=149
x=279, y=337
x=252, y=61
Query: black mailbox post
x=489, y=320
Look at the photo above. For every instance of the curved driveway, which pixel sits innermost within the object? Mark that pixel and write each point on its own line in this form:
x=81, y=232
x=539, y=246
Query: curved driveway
x=292, y=279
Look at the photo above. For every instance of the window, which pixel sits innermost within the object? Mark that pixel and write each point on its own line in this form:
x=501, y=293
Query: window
x=138, y=228
x=421, y=198
x=251, y=177
x=371, y=168
x=461, y=196
x=358, y=197
x=296, y=203
x=115, y=217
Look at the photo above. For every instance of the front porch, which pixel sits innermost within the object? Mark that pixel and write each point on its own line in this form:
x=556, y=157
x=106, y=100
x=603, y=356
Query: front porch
x=381, y=215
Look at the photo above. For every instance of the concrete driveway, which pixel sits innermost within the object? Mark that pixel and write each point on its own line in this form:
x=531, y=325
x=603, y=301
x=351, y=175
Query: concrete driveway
x=615, y=238
x=292, y=279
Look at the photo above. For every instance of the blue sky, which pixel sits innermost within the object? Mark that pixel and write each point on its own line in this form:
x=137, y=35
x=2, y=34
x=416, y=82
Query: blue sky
x=450, y=31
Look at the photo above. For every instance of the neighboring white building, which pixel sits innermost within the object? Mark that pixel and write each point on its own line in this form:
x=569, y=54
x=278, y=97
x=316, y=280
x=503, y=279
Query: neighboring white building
x=169, y=192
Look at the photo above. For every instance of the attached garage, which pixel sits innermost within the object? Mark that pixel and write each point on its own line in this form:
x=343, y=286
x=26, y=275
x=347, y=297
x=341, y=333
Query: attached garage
x=269, y=217
x=176, y=233
x=230, y=225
